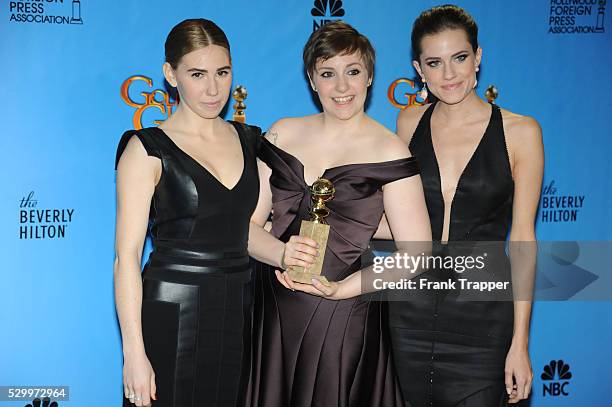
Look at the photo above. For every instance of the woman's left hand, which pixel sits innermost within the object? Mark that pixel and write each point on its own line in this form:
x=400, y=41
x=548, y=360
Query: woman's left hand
x=331, y=292
x=518, y=374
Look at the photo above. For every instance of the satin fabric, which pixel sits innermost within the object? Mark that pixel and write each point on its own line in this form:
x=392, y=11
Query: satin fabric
x=197, y=288
x=451, y=352
x=309, y=351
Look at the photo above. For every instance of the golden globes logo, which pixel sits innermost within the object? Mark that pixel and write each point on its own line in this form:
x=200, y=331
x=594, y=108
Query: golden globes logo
x=411, y=96
x=164, y=105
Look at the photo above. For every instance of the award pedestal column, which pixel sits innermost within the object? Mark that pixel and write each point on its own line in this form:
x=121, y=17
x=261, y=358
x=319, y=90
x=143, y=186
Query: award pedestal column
x=319, y=232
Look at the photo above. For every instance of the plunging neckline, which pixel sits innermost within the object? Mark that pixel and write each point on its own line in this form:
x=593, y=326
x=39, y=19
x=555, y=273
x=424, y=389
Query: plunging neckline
x=461, y=175
x=203, y=167
x=328, y=169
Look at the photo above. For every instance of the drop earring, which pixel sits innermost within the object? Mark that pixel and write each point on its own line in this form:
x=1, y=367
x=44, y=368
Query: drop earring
x=421, y=96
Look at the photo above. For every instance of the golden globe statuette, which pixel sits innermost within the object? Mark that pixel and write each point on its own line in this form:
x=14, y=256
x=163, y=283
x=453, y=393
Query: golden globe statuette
x=239, y=95
x=322, y=191
x=491, y=93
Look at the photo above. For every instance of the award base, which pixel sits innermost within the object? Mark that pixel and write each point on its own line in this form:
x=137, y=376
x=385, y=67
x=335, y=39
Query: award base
x=319, y=232
x=306, y=278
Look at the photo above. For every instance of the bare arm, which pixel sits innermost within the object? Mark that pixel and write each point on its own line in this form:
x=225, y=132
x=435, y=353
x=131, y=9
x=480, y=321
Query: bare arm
x=407, y=121
x=263, y=246
x=137, y=174
x=528, y=157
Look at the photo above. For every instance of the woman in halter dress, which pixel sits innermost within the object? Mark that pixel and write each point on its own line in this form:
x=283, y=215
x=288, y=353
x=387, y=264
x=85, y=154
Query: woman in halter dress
x=481, y=168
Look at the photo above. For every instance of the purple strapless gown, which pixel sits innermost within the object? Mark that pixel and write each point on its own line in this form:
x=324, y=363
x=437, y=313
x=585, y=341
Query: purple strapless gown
x=309, y=351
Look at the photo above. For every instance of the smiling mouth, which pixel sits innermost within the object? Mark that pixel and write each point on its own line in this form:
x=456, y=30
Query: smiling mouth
x=211, y=104
x=343, y=100
x=451, y=87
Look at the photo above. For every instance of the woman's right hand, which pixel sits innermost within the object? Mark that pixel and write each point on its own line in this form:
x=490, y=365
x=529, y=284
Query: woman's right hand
x=299, y=251
x=139, y=380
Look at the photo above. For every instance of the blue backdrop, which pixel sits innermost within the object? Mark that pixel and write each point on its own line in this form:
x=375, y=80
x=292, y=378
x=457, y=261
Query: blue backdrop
x=65, y=63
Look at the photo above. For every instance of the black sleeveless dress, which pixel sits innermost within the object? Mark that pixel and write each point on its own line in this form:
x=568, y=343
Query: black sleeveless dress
x=309, y=351
x=450, y=352
x=196, y=284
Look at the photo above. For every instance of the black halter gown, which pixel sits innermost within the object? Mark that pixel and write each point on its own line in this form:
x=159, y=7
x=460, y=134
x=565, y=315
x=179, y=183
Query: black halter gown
x=449, y=352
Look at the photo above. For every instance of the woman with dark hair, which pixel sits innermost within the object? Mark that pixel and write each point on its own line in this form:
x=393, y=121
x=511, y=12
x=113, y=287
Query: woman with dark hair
x=185, y=323
x=481, y=168
x=333, y=351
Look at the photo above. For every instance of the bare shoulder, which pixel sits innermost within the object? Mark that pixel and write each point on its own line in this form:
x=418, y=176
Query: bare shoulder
x=387, y=144
x=523, y=138
x=135, y=165
x=408, y=120
x=284, y=130
x=520, y=129
x=135, y=154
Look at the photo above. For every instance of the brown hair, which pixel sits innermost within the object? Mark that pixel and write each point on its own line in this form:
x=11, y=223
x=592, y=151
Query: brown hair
x=192, y=34
x=337, y=38
x=441, y=18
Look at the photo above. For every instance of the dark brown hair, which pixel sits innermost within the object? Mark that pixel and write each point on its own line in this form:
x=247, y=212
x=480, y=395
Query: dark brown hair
x=337, y=38
x=192, y=34
x=438, y=19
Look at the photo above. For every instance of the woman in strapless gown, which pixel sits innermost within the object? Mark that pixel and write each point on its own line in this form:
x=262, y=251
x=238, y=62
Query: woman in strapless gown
x=308, y=350
x=481, y=168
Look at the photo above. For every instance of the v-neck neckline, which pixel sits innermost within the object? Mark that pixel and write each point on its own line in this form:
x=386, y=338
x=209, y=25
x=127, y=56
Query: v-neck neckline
x=206, y=170
x=461, y=176
x=328, y=169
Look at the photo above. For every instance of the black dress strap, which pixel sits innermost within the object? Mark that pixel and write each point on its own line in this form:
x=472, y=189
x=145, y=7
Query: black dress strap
x=146, y=137
x=422, y=127
x=250, y=134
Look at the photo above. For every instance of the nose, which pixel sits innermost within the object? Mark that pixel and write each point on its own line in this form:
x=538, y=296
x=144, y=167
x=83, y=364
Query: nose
x=449, y=71
x=341, y=84
x=212, y=88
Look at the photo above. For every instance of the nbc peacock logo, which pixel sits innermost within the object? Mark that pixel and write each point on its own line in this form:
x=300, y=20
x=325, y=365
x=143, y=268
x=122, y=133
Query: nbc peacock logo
x=556, y=376
x=46, y=402
x=325, y=11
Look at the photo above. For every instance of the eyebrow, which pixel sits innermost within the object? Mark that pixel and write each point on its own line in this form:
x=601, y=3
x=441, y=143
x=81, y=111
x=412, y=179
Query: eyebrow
x=349, y=65
x=452, y=56
x=206, y=71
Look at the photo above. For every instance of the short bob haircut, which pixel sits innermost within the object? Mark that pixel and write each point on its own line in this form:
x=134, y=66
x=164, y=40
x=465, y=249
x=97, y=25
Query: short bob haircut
x=337, y=38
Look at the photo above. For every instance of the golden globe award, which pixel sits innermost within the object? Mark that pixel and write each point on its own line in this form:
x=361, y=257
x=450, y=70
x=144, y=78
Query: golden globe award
x=322, y=191
x=239, y=95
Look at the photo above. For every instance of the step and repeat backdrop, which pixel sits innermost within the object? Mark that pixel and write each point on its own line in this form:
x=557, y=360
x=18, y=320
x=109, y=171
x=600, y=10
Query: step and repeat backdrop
x=76, y=74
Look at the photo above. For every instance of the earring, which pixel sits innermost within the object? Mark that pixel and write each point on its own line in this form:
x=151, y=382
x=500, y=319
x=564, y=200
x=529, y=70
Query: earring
x=421, y=96
x=475, y=82
x=370, y=82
